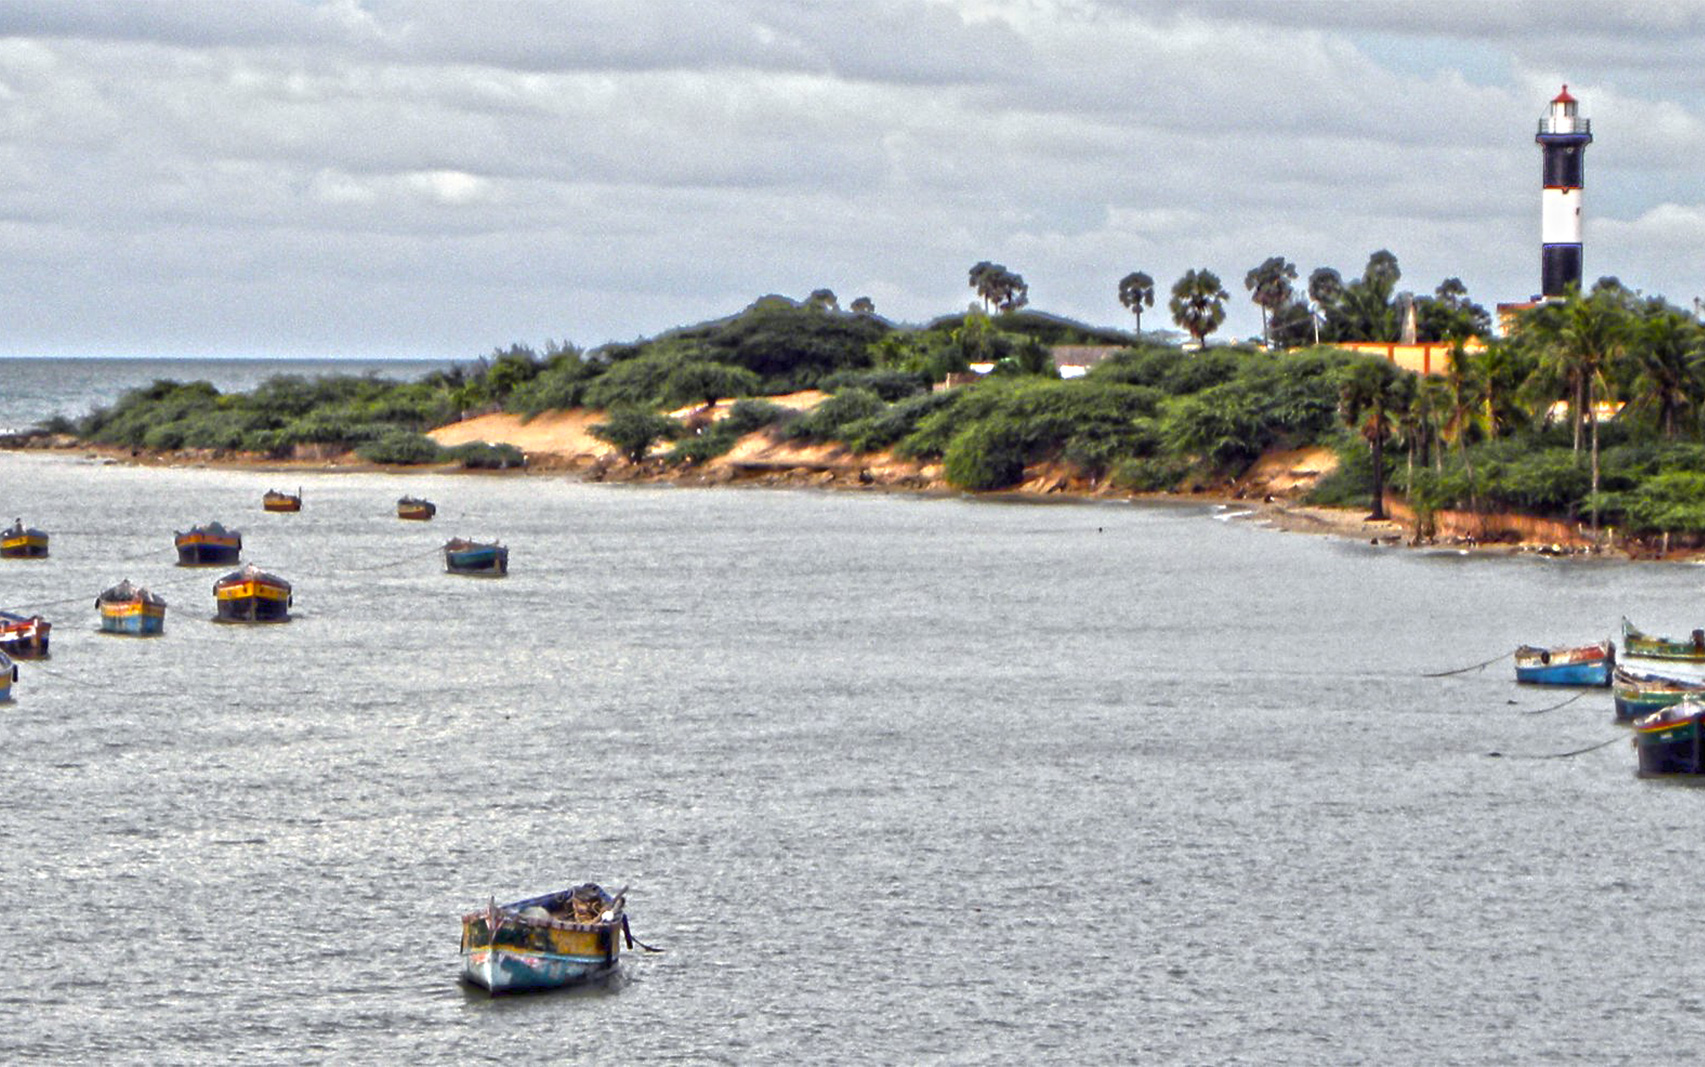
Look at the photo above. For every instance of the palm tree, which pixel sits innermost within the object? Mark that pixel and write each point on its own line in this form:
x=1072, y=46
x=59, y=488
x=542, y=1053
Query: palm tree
x=1466, y=415
x=1666, y=364
x=1198, y=303
x=1136, y=291
x=1591, y=335
x=1365, y=399
x=1270, y=288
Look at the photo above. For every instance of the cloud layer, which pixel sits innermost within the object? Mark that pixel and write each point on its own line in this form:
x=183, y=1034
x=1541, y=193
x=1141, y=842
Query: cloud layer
x=281, y=178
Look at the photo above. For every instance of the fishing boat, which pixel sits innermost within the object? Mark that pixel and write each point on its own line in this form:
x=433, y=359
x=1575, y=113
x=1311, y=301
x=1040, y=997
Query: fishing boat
x=1669, y=741
x=24, y=636
x=1638, y=693
x=8, y=676
x=252, y=595
x=22, y=542
x=544, y=942
x=411, y=508
x=472, y=557
x=277, y=501
x=1643, y=645
x=1580, y=665
x=210, y=545
x=128, y=608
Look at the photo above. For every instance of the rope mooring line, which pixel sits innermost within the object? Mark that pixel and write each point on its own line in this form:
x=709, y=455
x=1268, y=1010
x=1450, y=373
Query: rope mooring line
x=1556, y=755
x=1554, y=707
x=1474, y=667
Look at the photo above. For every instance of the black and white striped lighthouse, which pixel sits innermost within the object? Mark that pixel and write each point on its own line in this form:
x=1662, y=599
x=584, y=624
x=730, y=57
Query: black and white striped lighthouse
x=1563, y=137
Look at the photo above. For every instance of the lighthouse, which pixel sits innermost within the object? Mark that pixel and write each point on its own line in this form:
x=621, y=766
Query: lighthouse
x=1563, y=138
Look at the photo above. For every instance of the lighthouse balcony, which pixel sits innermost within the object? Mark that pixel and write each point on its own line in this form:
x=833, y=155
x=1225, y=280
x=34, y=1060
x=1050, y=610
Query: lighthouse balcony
x=1569, y=124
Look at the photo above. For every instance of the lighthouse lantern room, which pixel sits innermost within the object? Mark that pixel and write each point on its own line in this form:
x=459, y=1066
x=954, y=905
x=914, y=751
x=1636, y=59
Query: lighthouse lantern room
x=1563, y=138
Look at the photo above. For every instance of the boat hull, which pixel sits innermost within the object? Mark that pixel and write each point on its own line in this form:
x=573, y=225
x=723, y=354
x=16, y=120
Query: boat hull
x=134, y=619
x=510, y=970
x=1646, y=646
x=1594, y=674
x=250, y=596
x=1670, y=748
x=280, y=502
x=486, y=561
x=195, y=551
x=419, y=510
x=24, y=546
x=8, y=675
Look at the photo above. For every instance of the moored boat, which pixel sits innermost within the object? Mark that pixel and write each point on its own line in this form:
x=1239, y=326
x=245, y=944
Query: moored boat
x=24, y=636
x=1646, y=646
x=128, y=608
x=1638, y=693
x=252, y=595
x=412, y=508
x=544, y=942
x=277, y=501
x=210, y=545
x=8, y=676
x=22, y=542
x=1579, y=665
x=1669, y=741
x=462, y=556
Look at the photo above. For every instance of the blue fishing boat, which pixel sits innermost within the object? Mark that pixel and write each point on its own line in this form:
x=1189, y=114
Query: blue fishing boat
x=128, y=608
x=1580, y=665
x=8, y=675
x=1671, y=741
x=545, y=942
x=1638, y=693
x=462, y=556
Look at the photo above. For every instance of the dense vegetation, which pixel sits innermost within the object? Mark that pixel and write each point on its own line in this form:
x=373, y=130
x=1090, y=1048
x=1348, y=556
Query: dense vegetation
x=1506, y=427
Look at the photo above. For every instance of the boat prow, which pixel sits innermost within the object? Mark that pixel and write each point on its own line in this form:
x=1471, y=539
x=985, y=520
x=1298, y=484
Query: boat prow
x=568, y=938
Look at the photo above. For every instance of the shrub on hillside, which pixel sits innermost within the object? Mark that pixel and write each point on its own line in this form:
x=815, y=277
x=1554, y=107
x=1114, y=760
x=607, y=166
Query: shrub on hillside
x=481, y=455
x=402, y=447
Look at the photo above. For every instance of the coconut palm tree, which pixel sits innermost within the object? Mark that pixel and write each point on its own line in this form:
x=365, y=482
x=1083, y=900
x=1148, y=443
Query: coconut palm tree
x=1666, y=362
x=1198, y=303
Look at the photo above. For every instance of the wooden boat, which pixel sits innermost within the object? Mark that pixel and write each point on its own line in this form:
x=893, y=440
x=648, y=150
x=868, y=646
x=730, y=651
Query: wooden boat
x=1669, y=741
x=209, y=545
x=410, y=508
x=277, y=501
x=127, y=608
x=22, y=542
x=545, y=942
x=1639, y=693
x=24, y=636
x=472, y=557
x=8, y=677
x=252, y=595
x=1581, y=665
x=1635, y=643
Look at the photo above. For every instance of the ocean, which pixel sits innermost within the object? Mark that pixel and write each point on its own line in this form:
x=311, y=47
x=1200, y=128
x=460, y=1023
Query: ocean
x=891, y=779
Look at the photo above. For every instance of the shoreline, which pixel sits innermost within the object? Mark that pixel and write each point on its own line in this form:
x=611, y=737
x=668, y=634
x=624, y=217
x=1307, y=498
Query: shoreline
x=1270, y=491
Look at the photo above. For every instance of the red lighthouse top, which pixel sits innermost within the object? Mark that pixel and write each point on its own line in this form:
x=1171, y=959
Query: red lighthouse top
x=1563, y=97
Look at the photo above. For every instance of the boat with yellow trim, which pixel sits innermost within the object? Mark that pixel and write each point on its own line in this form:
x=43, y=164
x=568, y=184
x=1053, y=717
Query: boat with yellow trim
x=24, y=636
x=252, y=595
x=1671, y=740
x=8, y=676
x=277, y=501
x=23, y=542
x=210, y=545
x=128, y=608
x=414, y=508
x=545, y=942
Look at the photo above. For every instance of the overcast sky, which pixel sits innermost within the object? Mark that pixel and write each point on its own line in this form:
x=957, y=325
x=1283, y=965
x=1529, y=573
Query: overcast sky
x=374, y=178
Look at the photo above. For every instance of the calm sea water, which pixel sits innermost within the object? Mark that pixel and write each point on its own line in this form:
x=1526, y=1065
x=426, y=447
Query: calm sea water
x=893, y=780
x=34, y=390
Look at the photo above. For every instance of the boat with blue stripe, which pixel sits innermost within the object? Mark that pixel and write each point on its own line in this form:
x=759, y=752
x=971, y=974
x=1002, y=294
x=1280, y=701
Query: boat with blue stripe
x=130, y=609
x=546, y=942
x=8, y=676
x=490, y=560
x=1578, y=665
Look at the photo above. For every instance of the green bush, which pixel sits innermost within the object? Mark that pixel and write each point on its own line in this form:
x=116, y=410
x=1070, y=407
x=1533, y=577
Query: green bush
x=825, y=421
x=401, y=447
x=1150, y=474
x=481, y=455
x=633, y=430
x=985, y=456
